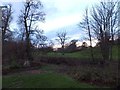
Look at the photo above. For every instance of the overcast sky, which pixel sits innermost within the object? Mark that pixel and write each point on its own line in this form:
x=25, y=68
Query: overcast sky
x=60, y=15
x=64, y=15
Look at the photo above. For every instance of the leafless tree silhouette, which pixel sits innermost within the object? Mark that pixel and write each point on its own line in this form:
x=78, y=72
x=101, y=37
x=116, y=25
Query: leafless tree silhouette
x=62, y=38
x=85, y=24
x=30, y=15
x=6, y=20
x=103, y=22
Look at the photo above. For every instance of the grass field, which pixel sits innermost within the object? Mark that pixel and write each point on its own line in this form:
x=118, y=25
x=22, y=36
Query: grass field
x=84, y=54
x=46, y=80
x=0, y=82
x=66, y=76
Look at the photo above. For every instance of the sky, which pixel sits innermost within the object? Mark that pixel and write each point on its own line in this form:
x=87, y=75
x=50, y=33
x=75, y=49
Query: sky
x=61, y=15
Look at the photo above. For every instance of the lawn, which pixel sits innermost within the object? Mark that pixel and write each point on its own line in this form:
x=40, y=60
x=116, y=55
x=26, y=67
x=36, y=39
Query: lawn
x=0, y=81
x=84, y=54
x=46, y=80
x=65, y=75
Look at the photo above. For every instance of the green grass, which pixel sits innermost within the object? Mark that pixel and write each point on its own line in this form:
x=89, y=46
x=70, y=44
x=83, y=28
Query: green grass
x=84, y=54
x=46, y=80
x=0, y=81
x=50, y=68
x=115, y=53
x=79, y=54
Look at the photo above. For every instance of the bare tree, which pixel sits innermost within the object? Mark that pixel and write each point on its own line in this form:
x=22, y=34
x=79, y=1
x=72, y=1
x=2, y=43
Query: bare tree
x=103, y=23
x=6, y=20
x=40, y=40
x=6, y=32
x=85, y=24
x=118, y=22
x=30, y=15
x=62, y=37
x=50, y=43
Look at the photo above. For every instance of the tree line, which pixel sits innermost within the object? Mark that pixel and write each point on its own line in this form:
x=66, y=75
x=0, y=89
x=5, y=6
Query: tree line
x=100, y=23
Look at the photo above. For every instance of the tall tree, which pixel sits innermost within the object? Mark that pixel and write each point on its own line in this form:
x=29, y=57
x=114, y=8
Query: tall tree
x=6, y=32
x=118, y=81
x=85, y=24
x=103, y=22
x=6, y=20
x=30, y=15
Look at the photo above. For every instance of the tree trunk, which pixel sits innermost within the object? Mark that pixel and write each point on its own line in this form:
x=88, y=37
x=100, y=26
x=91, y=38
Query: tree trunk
x=28, y=48
x=63, y=50
x=91, y=50
x=89, y=32
x=118, y=80
x=102, y=52
x=105, y=49
x=111, y=46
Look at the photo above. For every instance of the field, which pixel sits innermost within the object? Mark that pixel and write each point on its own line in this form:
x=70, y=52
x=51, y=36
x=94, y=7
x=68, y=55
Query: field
x=46, y=80
x=84, y=54
x=71, y=70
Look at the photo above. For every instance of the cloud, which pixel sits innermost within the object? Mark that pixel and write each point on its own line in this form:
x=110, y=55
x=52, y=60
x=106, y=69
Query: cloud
x=57, y=8
x=60, y=22
x=63, y=14
x=60, y=14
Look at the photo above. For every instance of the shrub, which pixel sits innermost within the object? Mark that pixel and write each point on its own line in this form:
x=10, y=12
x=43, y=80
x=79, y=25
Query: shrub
x=14, y=65
x=86, y=76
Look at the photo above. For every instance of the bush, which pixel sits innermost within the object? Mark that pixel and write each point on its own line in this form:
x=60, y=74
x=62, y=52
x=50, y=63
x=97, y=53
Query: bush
x=14, y=65
x=87, y=76
x=13, y=50
x=34, y=64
